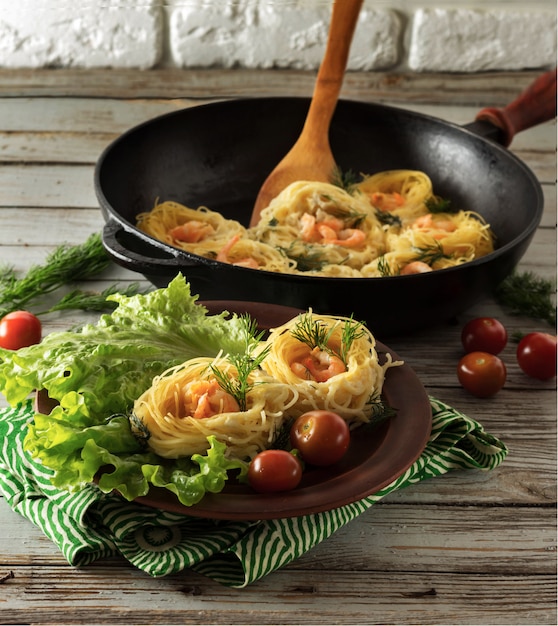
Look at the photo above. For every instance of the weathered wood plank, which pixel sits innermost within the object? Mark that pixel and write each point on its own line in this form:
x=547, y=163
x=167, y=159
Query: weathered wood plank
x=289, y=596
x=475, y=89
x=53, y=146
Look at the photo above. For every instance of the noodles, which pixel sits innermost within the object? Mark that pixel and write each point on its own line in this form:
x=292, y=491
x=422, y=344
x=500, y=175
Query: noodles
x=390, y=223
x=185, y=405
x=319, y=224
x=311, y=362
x=349, y=387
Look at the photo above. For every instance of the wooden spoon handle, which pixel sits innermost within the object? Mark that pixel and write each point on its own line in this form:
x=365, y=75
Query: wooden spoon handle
x=344, y=17
x=533, y=106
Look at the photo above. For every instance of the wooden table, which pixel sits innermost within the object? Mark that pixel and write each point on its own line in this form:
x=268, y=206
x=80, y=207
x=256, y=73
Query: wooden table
x=465, y=548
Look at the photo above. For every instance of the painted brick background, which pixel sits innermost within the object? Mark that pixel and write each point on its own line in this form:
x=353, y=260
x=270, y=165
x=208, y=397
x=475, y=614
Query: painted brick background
x=454, y=36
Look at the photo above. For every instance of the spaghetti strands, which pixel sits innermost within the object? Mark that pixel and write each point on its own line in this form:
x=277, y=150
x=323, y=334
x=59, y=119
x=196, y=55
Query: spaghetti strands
x=436, y=241
x=332, y=363
x=401, y=193
x=208, y=234
x=320, y=225
x=186, y=404
x=382, y=226
x=200, y=231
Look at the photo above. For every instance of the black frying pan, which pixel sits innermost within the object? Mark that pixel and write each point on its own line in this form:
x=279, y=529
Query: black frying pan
x=218, y=155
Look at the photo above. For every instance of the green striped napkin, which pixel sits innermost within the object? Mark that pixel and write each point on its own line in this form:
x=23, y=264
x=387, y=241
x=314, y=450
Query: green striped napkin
x=89, y=525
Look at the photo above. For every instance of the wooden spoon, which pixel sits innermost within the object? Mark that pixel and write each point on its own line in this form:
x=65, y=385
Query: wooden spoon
x=311, y=158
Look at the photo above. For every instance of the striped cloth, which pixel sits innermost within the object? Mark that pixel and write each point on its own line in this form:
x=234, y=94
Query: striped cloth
x=89, y=525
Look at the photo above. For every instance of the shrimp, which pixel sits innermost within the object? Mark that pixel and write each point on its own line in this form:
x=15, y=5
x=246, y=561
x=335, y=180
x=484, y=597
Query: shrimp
x=427, y=222
x=348, y=238
x=223, y=255
x=330, y=231
x=387, y=201
x=206, y=398
x=319, y=365
x=192, y=231
x=308, y=227
x=415, y=267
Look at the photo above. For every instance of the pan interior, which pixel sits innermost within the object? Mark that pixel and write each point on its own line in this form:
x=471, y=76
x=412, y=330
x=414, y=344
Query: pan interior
x=218, y=156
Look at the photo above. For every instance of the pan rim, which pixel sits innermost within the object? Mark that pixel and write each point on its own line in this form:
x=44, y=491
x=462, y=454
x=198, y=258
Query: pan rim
x=178, y=253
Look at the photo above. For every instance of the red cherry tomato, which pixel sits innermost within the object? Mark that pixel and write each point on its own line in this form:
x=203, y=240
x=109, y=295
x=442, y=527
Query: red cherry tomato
x=19, y=330
x=536, y=355
x=484, y=334
x=274, y=470
x=481, y=373
x=321, y=437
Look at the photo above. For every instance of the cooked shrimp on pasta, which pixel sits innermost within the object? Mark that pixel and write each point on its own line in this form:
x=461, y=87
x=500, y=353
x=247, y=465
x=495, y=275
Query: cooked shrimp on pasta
x=390, y=223
x=331, y=361
x=186, y=404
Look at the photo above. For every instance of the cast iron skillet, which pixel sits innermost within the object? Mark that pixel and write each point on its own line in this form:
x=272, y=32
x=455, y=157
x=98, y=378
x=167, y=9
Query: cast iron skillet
x=218, y=155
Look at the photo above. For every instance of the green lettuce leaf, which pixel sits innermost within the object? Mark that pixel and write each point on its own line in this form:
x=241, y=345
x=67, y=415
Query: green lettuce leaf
x=97, y=372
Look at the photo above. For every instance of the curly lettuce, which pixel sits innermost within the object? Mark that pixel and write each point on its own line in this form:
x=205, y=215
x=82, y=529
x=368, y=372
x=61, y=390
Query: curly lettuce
x=94, y=375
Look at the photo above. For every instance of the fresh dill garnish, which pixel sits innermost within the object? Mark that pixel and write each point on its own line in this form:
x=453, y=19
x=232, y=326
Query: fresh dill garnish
x=315, y=334
x=350, y=217
x=352, y=330
x=311, y=257
x=346, y=180
x=387, y=218
x=282, y=439
x=380, y=411
x=438, y=205
x=383, y=266
x=530, y=295
x=430, y=254
x=64, y=265
x=245, y=362
x=79, y=299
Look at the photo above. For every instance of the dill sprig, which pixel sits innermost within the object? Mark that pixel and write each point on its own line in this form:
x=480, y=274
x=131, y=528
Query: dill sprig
x=352, y=330
x=436, y=204
x=383, y=266
x=79, y=299
x=346, y=180
x=245, y=362
x=530, y=295
x=310, y=259
x=380, y=411
x=65, y=264
x=430, y=254
x=315, y=334
x=388, y=219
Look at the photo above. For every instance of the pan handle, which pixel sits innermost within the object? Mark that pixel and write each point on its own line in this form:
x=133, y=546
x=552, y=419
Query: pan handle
x=535, y=105
x=115, y=242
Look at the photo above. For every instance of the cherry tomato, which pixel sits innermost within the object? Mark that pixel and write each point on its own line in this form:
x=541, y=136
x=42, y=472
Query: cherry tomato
x=481, y=373
x=19, y=330
x=536, y=355
x=484, y=334
x=321, y=437
x=274, y=470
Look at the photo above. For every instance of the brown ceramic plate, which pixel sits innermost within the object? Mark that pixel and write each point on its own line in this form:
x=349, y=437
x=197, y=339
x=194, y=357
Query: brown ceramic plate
x=377, y=455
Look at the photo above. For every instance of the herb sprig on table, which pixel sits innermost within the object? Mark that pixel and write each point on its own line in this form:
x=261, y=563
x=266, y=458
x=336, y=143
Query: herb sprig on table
x=64, y=265
x=524, y=293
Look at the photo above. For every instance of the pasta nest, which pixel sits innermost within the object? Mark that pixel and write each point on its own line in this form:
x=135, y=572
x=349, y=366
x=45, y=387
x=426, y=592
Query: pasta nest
x=166, y=411
x=351, y=393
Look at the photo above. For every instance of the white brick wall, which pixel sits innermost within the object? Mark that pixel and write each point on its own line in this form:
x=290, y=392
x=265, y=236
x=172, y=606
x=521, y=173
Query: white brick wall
x=427, y=35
